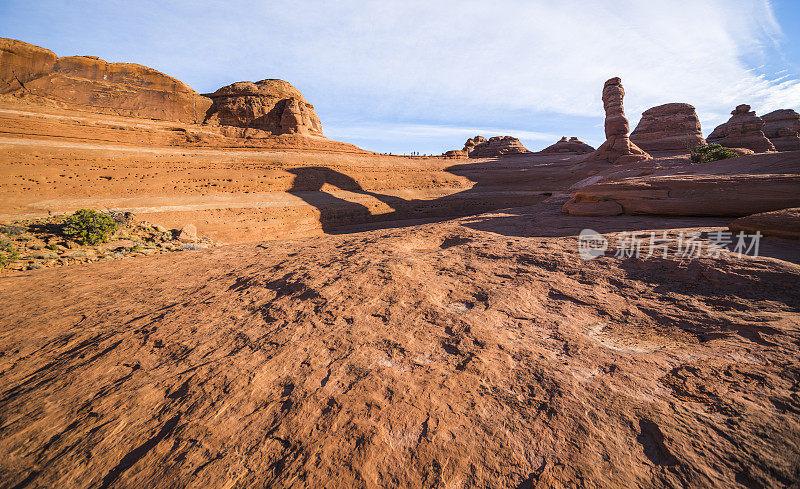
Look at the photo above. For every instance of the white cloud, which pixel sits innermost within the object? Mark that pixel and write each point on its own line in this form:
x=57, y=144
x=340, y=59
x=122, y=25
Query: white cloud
x=470, y=60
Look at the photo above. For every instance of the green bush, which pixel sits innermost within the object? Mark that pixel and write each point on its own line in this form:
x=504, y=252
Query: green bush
x=89, y=226
x=8, y=253
x=712, y=152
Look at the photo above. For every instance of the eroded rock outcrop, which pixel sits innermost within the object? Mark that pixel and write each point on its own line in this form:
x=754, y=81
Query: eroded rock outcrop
x=472, y=142
x=733, y=187
x=572, y=145
x=274, y=106
x=456, y=153
x=743, y=130
x=784, y=223
x=668, y=127
x=687, y=195
x=782, y=128
x=90, y=84
x=618, y=147
x=480, y=147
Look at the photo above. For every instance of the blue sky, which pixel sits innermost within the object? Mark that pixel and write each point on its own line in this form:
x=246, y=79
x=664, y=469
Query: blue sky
x=401, y=76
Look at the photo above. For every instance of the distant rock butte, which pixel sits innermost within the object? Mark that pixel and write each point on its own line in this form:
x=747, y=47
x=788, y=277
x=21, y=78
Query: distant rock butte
x=572, y=145
x=269, y=105
x=87, y=83
x=618, y=148
x=782, y=127
x=480, y=147
x=668, y=127
x=743, y=130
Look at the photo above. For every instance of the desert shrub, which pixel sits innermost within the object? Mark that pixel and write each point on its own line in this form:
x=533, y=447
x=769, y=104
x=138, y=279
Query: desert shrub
x=8, y=253
x=89, y=226
x=13, y=229
x=712, y=152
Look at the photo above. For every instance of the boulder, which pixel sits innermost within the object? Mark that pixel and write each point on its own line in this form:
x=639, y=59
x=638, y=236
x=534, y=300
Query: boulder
x=782, y=128
x=743, y=130
x=91, y=84
x=618, y=147
x=784, y=223
x=572, y=145
x=188, y=234
x=668, y=127
x=273, y=106
x=456, y=153
x=480, y=147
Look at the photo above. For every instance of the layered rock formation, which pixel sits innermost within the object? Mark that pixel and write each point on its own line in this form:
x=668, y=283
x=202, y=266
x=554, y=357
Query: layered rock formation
x=782, y=128
x=36, y=75
x=687, y=195
x=668, y=127
x=472, y=142
x=618, y=147
x=743, y=130
x=735, y=187
x=572, y=145
x=274, y=106
x=480, y=147
x=784, y=223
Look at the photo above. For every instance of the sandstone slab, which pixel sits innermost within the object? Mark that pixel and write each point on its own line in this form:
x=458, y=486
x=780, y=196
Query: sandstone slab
x=784, y=223
x=689, y=195
x=405, y=358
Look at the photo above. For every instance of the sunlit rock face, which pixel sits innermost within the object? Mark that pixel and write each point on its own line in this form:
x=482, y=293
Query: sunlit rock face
x=270, y=105
x=480, y=147
x=32, y=74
